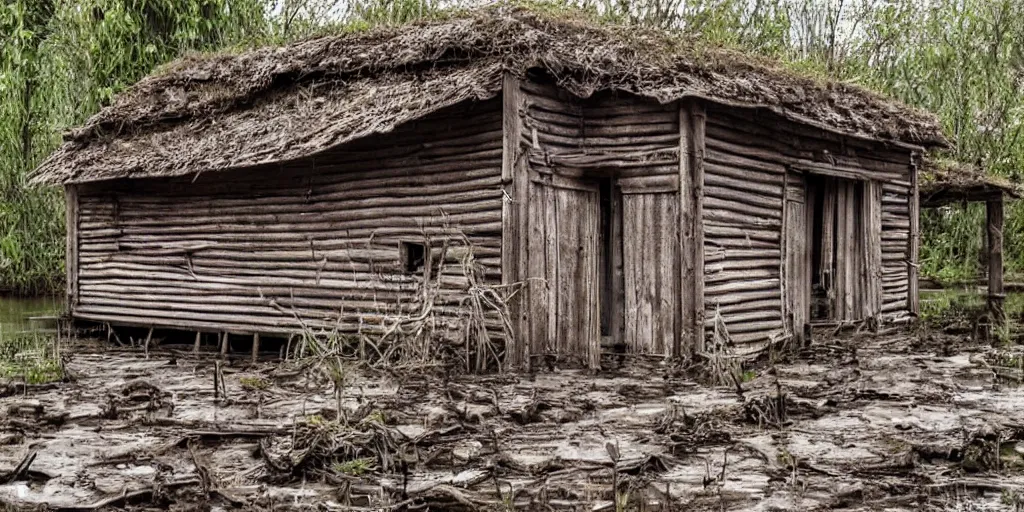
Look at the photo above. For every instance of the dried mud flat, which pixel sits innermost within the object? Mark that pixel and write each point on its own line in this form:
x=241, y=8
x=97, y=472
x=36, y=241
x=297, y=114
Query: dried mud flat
x=902, y=422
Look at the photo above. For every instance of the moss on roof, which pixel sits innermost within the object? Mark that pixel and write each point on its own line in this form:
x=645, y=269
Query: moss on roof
x=206, y=113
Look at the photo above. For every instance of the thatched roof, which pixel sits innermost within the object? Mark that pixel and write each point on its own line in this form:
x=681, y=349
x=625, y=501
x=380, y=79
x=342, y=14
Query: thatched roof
x=268, y=105
x=944, y=181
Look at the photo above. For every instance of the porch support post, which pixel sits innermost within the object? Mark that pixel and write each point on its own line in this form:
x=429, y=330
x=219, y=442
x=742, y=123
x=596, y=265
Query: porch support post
x=996, y=294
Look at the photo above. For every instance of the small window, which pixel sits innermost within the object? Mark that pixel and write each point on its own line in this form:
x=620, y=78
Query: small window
x=413, y=256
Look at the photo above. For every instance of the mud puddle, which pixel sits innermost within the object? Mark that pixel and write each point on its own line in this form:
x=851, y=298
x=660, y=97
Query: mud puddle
x=898, y=423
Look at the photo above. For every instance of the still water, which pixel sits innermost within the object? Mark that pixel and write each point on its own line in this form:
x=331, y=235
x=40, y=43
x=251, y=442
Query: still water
x=16, y=314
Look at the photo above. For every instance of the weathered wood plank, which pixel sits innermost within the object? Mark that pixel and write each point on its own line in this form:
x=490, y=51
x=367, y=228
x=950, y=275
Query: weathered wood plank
x=72, y=219
x=914, y=241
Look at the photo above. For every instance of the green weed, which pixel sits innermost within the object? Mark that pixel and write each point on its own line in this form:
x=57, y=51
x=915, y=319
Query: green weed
x=355, y=467
x=33, y=358
x=254, y=383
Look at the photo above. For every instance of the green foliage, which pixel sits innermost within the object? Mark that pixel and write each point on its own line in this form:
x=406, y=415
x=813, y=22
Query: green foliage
x=254, y=383
x=355, y=467
x=33, y=358
x=65, y=60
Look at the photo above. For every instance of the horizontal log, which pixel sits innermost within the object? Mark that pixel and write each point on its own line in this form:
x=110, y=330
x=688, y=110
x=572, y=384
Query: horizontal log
x=741, y=297
x=734, y=286
x=740, y=202
x=733, y=264
x=739, y=179
x=716, y=230
x=712, y=277
x=768, y=254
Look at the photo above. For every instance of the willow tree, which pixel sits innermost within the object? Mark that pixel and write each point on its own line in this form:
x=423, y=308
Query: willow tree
x=65, y=60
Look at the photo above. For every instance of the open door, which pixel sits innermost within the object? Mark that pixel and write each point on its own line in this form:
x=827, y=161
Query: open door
x=564, y=259
x=797, y=264
x=843, y=226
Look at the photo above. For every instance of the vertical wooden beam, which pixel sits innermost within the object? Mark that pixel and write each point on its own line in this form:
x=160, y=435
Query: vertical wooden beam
x=618, y=329
x=224, y=343
x=513, y=217
x=996, y=294
x=873, y=242
x=195, y=347
x=914, y=240
x=692, y=117
x=784, y=248
x=71, y=247
x=255, y=347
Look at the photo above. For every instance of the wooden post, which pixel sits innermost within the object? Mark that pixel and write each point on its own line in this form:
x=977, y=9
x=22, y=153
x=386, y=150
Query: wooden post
x=691, y=223
x=513, y=217
x=255, y=347
x=914, y=241
x=145, y=345
x=71, y=247
x=224, y=343
x=996, y=294
x=195, y=348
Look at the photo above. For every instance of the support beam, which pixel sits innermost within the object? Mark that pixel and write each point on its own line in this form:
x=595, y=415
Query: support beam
x=71, y=248
x=255, y=347
x=692, y=118
x=514, y=227
x=914, y=240
x=996, y=293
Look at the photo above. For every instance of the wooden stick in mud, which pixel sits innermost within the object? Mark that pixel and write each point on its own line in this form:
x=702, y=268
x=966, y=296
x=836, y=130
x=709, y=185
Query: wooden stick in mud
x=145, y=345
x=255, y=347
x=216, y=380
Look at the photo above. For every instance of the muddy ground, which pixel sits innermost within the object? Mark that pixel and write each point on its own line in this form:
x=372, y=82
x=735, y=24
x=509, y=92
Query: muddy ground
x=905, y=421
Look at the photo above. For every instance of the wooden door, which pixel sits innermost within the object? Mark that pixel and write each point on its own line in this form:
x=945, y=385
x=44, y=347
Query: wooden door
x=564, y=260
x=797, y=264
x=650, y=268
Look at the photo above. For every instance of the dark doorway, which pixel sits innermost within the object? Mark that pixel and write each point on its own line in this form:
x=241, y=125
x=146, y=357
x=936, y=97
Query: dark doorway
x=837, y=247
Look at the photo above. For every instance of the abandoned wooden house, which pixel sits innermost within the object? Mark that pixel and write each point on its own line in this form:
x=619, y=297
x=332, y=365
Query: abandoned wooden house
x=612, y=186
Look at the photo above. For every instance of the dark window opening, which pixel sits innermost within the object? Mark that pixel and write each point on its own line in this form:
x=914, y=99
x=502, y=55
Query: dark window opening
x=413, y=256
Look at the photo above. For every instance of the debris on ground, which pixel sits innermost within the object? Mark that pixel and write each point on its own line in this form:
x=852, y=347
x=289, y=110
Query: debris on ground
x=901, y=421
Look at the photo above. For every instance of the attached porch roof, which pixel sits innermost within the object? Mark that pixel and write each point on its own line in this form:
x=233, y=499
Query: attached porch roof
x=944, y=182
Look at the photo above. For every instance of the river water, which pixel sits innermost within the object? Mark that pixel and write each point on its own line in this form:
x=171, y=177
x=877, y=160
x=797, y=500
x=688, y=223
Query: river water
x=17, y=313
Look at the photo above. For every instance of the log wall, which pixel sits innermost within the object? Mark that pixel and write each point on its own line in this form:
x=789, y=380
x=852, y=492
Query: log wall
x=316, y=242
x=747, y=157
x=576, y=200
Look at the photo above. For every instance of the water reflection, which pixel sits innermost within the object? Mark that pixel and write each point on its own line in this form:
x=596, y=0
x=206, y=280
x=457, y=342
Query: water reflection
x=19, y=315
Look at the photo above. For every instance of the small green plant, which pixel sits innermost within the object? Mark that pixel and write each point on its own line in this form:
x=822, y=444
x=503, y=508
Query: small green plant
x=32, y=357
x=621, y=501
x=748, y=376
x=375, y=416
x=254, y=383
x=355, y=467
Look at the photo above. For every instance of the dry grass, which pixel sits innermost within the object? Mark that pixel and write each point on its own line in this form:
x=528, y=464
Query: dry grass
x=275, y=104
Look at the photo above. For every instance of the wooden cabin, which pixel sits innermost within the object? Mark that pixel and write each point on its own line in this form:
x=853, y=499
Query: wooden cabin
x=611, y=187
